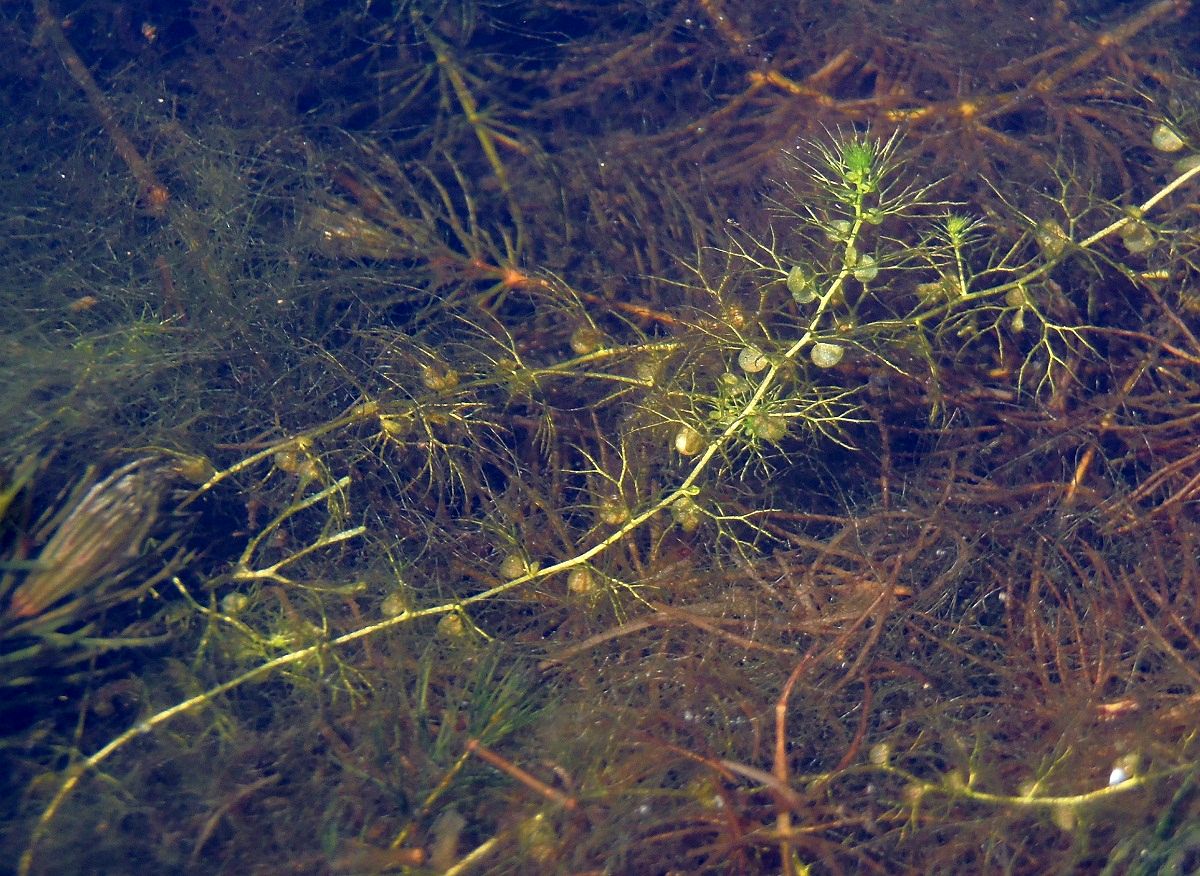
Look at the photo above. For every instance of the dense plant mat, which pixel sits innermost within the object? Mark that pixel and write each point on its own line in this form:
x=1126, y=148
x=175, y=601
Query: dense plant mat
x=632, y=437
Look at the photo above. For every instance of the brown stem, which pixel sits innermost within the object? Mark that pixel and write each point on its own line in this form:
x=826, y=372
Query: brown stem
x=153, y=194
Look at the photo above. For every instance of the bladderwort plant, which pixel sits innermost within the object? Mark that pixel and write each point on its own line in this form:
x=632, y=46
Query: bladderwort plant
x=868, y=265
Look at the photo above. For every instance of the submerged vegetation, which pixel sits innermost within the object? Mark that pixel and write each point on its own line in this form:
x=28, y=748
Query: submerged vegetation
x=614, y=437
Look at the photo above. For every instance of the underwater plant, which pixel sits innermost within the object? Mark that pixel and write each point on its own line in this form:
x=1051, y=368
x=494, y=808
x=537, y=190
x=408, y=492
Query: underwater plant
x=622, y=438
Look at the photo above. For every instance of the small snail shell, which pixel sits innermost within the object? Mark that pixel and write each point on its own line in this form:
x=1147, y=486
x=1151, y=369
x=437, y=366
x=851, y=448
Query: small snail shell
x=512, y=566
x=752, y=360
x=802, y=285
x=768, y=427
x=867, y=269
x=438, y=378
x=825, y=355
x=1166, y=139
x=1183, y=165
x=688, y=441
x=234, y=603
x=586, y=339
x=687, y=514
x=580, y=580
x=612, y=511
x=396, y=603
x=288, y=460
x=1051, y=238
x=451, y=626
x=1137, y=237
x=395, y=425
